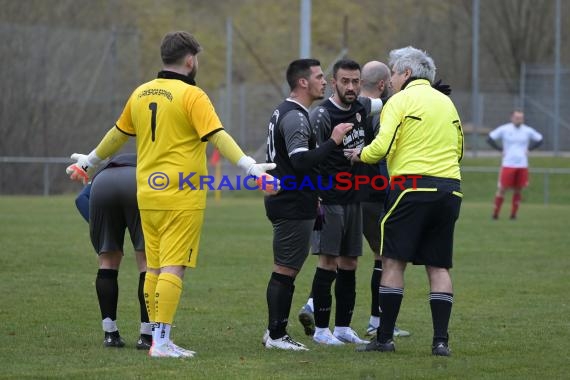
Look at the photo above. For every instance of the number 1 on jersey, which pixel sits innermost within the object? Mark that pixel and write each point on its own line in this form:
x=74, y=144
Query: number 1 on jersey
x=153, y=107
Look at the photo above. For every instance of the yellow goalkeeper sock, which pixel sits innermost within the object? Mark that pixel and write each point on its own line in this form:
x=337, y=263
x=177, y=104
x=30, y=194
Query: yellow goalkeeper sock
x=168, y=290
x=150, y=281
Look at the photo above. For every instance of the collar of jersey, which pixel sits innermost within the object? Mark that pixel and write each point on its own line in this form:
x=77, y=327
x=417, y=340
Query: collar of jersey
x=332, y=100
x=164, y=74
x=296, y=102
x=414, y=81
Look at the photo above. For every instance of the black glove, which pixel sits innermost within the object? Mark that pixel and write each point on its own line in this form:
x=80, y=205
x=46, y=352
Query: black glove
x=320, y=220
x=442, y=87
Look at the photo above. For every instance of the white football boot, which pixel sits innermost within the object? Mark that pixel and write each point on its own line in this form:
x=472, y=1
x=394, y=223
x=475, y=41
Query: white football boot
x=348, y=335
x=285, y=343
x=326, y=337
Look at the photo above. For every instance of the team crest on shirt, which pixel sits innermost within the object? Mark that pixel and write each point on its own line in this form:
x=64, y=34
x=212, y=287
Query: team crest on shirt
x=358, y=117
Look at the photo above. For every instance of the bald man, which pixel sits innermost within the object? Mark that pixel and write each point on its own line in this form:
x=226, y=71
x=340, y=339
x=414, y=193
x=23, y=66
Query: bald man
x=375, y=83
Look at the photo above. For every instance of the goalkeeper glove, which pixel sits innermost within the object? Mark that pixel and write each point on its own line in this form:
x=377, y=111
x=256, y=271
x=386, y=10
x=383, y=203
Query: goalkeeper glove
x=84, y=167
x=257, y=171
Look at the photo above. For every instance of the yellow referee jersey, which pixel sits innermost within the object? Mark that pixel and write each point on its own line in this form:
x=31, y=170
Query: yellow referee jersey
x=170, y=119
x=420, y=133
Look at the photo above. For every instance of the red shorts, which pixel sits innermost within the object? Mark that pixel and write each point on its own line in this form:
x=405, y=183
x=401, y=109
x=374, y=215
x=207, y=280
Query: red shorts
x=513, y=177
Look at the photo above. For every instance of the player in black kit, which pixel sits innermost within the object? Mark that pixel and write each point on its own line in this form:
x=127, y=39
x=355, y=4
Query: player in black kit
x=339, y=242
x=291, y=144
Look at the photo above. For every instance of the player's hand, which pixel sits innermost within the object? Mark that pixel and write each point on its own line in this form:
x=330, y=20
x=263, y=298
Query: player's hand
x=83, y=168
x=257, y=171
x=353, y=154
x=442, y=87
x=340, y=131
x=254, y=169
x=268, y=184
x=75, y=173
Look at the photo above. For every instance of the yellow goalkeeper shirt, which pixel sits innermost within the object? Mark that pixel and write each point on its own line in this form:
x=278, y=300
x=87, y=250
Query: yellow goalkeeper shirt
x=171, y=120
x=420, y=133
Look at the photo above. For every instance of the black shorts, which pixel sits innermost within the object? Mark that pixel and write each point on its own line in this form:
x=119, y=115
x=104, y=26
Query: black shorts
x=341, y=233
x=113, y=208
x=419, y=224
x=372, y=213
x=291, y=241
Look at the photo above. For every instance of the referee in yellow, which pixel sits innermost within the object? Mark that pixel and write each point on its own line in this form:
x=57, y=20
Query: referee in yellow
x=422, y=139
x=172, y=120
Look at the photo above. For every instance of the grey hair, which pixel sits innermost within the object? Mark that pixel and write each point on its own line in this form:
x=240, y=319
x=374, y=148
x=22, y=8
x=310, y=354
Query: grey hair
x=418, y=61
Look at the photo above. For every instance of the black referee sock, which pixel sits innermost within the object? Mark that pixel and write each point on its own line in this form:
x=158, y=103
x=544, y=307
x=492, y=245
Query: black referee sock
x=280, y=291
x=142, y=304
x=345, y=295
x=390, y=301
x=107, y=288
x=440, y=304
x=375, y=288
x=322, y=298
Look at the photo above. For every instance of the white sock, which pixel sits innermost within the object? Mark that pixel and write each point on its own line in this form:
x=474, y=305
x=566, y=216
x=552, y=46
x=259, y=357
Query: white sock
x=321, y=330
x=146, y=328
x=109, y=325
x=161, y=334
x=310, y=303
x=374, y=321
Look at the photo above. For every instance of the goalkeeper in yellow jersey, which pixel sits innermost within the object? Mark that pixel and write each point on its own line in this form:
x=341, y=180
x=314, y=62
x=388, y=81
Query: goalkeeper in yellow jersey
x=172, y=120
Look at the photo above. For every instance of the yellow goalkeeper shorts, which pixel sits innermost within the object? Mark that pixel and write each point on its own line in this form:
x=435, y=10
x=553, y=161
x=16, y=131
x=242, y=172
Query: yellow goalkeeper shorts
x=172, y=237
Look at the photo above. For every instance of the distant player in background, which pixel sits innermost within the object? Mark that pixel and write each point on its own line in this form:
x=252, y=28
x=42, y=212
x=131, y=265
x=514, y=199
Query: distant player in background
x=172, y=120
x=517, y=140
x=109, y=204
x=375, y=84
x=291, y=144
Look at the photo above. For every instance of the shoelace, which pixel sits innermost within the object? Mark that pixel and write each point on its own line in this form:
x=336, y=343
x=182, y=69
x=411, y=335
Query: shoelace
x=288, y=339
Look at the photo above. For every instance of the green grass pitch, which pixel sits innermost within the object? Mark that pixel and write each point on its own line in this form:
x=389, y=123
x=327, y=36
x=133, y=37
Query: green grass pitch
x=510, y=317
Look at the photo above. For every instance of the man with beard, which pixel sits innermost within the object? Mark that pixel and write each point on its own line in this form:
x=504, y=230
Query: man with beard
x=338, y=243
x=172, y=119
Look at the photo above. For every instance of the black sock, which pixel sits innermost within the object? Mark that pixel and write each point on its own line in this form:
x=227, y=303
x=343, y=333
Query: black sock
x=107, y=288
x=279, y=297
x=440, y=304
x=345, y=296
x=322, y=298
x=390, y=301
x=142, y=304
x=375, y=288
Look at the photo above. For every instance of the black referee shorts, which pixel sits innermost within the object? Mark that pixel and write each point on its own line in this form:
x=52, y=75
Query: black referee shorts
x=419, y=223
